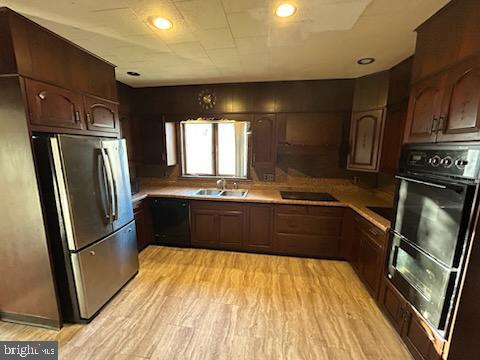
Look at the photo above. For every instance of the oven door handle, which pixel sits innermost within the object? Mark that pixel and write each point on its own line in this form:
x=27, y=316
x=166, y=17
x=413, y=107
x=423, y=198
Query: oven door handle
x=455, y=187
x=421, y=182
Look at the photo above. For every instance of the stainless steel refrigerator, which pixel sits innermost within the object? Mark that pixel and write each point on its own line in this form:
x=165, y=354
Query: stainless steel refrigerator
x=85, y=188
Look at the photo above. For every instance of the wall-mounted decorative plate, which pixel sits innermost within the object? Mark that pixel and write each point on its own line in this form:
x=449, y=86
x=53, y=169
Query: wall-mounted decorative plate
x=207, y=99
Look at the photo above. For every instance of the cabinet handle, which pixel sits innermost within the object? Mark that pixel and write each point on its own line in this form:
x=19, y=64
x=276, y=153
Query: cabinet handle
x=77, y=116
x=89, y=118
x=41, y=95
x=434, y=128
x=441, y=124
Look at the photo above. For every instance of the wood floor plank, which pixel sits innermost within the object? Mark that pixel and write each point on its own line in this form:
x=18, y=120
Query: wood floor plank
x=203, y=304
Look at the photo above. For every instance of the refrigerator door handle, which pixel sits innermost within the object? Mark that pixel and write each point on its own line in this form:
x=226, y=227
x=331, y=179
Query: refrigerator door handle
x=105, y=184
x=111, y=185
x=114, y=187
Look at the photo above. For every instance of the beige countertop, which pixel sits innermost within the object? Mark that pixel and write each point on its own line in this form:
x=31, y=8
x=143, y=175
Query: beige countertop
x=353, y=197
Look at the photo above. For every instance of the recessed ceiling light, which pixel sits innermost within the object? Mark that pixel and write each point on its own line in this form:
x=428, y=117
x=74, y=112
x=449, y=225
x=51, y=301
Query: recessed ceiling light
x=285, y=10
x=133, y=73
x=162, y=23
x=366, y=61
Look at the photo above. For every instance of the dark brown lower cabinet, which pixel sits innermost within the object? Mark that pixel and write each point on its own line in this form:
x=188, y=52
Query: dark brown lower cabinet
x=313, y=231
x=367, y=253
x=217, y=224
x=417, y=335
x=260, y=228
x=370, y=261
x=143, y=223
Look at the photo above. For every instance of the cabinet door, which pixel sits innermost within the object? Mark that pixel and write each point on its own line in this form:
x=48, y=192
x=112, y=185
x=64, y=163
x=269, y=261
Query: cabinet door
x=460, y=119
x=393, y=304
x=204, y=227
x=392, y=137
x=101, y=115
x=365, y=138
x=143, y=225
x=260, y=223
x=264, y=145
x=53, y=107
x=370, y=258
x=349, y=236
x=230, y=229
x=424, y=111
x=420, y=338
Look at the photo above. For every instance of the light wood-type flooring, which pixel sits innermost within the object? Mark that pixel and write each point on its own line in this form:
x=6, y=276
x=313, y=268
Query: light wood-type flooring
x=202, y=304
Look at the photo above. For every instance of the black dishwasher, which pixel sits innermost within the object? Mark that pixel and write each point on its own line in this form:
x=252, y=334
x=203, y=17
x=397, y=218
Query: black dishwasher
x=170, y=222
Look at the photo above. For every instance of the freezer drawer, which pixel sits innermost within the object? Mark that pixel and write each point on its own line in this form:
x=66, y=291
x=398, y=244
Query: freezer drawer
x=100, y=270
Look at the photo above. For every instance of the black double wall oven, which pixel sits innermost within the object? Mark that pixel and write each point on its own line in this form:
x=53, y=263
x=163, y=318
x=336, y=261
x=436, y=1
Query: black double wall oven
x=435, y=197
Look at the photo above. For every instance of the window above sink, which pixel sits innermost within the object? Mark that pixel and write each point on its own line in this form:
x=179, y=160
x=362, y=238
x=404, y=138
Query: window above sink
x=215, y=148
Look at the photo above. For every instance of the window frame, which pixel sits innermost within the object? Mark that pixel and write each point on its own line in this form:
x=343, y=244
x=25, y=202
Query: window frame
x=216, y=174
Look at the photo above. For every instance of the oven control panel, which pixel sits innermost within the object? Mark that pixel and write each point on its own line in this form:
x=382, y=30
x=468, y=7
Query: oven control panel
x=453, y=161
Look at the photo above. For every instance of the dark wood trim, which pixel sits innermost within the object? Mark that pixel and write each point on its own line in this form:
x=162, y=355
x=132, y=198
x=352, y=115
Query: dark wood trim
x=30, y=320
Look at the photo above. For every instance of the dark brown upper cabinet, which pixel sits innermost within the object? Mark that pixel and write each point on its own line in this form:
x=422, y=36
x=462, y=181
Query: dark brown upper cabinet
x=60, y=79
x=264, y=131
x=365, y=138
x=424, y=110
x=367, y=122
x=53, y=107
x=445, y=95
x=32, y=51
x=450, y=36
x=101, y=115
x=460, y=117
x=446, y=107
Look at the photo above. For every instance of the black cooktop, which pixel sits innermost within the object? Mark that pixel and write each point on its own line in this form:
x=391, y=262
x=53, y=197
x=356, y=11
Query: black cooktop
x=312, y=196
x=385, y=212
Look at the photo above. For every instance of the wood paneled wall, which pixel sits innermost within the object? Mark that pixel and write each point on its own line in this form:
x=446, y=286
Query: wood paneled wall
x=260, y=97
x=315, y=114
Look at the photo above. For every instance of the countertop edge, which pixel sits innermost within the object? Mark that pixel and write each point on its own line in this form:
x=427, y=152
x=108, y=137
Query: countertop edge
x=360, y=210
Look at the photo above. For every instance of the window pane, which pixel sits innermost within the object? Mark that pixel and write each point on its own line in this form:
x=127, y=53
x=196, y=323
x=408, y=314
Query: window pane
x=198, y=149
x=226, y=149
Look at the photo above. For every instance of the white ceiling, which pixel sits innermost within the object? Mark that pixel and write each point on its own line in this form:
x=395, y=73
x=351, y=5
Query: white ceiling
x=216, y=41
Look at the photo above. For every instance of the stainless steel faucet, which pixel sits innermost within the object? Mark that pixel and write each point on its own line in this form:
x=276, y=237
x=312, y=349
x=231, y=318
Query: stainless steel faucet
x=235, y=186
x=222, y=184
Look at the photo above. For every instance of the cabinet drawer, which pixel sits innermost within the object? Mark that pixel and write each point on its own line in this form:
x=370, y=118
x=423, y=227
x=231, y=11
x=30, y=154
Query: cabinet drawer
x=307, y=224
x=329, y=211
x=308, y=245
x=374, y=233
x=216, y=205
x=291, y=209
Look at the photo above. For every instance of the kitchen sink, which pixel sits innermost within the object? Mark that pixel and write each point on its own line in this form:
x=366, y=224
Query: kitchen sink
x=208, y=192
x=234, y=193
x=222, y=193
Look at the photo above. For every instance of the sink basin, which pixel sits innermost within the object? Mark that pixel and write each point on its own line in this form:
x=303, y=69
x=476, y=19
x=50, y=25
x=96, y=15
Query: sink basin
x=234, y=193
x=208, y=192
x=222, y=193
